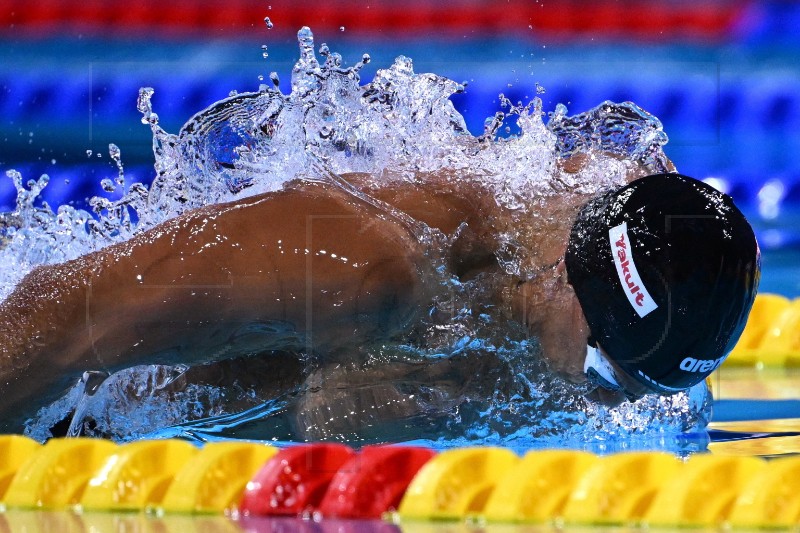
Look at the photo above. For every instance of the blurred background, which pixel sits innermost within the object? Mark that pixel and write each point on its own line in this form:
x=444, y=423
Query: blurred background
x=722, y=75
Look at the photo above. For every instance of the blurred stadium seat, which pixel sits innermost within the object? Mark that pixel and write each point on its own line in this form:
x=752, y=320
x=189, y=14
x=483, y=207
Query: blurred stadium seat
x=722, y=75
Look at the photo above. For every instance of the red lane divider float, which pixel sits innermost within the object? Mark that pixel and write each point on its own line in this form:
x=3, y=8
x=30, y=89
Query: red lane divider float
x=373, y=482
x=294, y=480
x=333, y=480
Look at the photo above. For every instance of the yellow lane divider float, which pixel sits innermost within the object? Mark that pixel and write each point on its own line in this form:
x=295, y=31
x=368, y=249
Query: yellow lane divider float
x=216, y=479
x=771, y=498
x=456, y=483
x=137, y=475
x=539, y=486
x=93, y=478
x=55, y=476
x=704, y=491
x=14, y=452
x=619, y=488
x=772, y=334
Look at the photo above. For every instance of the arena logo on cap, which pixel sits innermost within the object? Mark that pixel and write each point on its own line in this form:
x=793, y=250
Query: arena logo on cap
x=632, y=285
x=690, y=364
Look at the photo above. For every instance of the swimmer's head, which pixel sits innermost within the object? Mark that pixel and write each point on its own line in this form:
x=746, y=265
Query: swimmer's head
x=665, y=269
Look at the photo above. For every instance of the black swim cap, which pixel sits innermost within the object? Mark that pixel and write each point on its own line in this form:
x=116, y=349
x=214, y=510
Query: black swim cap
x=666, y=269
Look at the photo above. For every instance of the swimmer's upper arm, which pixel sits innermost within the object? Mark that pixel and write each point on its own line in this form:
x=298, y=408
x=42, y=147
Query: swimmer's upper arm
x=314, y=258
x=311, y=257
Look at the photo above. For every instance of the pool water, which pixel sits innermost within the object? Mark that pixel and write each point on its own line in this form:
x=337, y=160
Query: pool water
x=745, y=138
x=756, y=412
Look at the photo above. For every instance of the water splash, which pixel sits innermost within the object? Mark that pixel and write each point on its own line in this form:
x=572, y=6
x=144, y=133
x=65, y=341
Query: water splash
x=400, y=124
x=622, y=129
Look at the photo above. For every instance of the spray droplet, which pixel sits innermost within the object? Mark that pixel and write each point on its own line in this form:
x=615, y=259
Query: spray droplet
x=116, y=155
x=268, y=23
x=273, y=76
x=52, y=161
x=88, y=153
x=234, y=92
x=145, y=106
x=341, y=28
x=539, y=89
x=260, y=77
x=113, y=152
x=107, y=185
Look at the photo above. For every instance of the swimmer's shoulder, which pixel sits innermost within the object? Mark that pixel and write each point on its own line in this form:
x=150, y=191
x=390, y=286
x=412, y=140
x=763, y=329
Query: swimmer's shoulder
x=442, y=200
x=445, y=199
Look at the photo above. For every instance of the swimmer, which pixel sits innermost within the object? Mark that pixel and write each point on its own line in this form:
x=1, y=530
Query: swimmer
x=640, y=290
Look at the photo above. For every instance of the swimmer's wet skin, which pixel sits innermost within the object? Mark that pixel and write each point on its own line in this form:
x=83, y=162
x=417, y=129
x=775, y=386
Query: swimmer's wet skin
x=644, y=265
